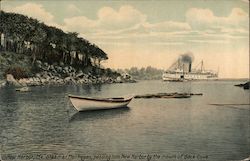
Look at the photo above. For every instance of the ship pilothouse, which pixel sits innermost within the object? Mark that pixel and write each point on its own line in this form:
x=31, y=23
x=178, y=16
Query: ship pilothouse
x=182, y=70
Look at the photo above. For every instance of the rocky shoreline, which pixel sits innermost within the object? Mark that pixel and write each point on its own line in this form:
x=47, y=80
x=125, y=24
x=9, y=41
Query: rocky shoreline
x=60, y=75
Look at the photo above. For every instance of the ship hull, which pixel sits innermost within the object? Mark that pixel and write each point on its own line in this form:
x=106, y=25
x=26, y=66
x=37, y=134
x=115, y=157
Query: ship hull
x=188, y=76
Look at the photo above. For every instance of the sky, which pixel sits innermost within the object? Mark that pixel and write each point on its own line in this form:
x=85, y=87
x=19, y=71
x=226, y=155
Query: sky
x=153, y=33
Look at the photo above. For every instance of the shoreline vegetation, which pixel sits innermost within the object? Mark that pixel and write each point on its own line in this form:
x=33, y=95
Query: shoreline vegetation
x=32, y=54
x=148, y=73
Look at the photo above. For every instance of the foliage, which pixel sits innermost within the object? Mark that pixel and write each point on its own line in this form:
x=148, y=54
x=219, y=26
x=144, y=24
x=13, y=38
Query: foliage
x=12, y=59
x=110, y=73
x=148, y=73
x=17, y=72
x=47, y=43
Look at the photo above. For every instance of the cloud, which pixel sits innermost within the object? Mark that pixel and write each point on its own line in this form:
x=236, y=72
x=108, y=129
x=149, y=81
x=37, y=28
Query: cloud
x=202, y=19
x=168, y=26
x=246, y=1
x=126, y=17
x=107, y=20
x=80, y=24
x=128, y=24
x=199, y=18
x=72, y=10
x=34, y=10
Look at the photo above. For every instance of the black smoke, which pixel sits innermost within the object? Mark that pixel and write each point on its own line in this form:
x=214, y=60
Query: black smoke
x=187, y=57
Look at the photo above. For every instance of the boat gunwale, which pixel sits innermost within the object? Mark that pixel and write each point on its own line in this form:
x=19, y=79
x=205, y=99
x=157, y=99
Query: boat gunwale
x=109, y=100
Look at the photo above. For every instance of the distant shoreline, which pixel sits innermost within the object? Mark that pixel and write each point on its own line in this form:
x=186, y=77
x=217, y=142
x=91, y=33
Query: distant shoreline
x=236, y=79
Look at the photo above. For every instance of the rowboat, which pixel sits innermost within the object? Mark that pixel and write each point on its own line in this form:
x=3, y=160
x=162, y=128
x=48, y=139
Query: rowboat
x=89, y=103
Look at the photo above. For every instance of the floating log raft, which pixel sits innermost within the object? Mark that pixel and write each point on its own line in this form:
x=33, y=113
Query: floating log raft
x=168, y=95
x=227, y=104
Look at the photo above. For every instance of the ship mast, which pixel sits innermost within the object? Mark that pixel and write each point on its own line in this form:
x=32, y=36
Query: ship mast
x=201, y=65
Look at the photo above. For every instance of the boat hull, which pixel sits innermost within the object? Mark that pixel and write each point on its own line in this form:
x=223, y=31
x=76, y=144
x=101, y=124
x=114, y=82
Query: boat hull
x=87, y=104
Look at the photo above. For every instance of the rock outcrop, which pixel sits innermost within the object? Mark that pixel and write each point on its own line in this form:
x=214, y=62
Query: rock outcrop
x=59, y=75
x=244, y=85
x=12, y=81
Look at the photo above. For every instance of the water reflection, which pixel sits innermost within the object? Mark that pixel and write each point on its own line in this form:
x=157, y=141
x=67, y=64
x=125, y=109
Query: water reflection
x=44, y=120
x=7, y=95
x=99, y=114
x=85, y=89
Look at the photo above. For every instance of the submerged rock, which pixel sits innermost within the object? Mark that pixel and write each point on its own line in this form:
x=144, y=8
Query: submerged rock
x=244, y=85
x=23, y=89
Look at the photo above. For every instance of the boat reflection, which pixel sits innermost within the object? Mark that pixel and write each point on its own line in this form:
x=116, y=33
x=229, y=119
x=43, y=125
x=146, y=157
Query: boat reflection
x=99, y=114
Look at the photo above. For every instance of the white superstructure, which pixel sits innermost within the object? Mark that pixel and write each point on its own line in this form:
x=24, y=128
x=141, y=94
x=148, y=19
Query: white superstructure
x=181, y=71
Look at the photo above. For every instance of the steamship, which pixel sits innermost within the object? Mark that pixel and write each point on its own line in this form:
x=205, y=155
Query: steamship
x=182, y=71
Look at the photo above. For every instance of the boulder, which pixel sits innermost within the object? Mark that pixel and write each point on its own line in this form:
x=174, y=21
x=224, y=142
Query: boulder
x=80, y=74
x=59, y=69
x=12, y=81
x=51, y=67
x=23, y=81
x=67, y=79
x=66, y=68
x=38, y=75
x=43, y=81
x=54, y=71
x=50, y=74
x=61, y=64
x=46, y=64
x=45, y=76
x=39, y=64
x=246, y=85
x=118, y=79
x=2, y=83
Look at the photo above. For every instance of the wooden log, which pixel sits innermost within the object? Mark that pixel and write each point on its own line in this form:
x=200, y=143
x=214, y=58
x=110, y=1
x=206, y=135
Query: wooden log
x=169, y=95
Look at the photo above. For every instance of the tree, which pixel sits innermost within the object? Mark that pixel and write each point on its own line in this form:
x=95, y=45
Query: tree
x=48, y=43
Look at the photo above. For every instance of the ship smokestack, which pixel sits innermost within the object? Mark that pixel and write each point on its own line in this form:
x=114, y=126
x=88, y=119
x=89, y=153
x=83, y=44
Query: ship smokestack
x=187, y=59
x=190, y=67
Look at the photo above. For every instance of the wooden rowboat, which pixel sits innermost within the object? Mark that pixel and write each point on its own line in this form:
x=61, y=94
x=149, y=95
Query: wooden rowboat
x=89, y=103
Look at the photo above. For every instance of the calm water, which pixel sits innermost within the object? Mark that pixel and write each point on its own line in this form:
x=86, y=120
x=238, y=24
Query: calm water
x=43, y=121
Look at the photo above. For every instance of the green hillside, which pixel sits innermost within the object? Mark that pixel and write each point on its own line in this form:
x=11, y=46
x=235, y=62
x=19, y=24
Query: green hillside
x=25, y=40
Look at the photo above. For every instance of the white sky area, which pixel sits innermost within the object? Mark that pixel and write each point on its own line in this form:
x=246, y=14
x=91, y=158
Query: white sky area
x=154, y=33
